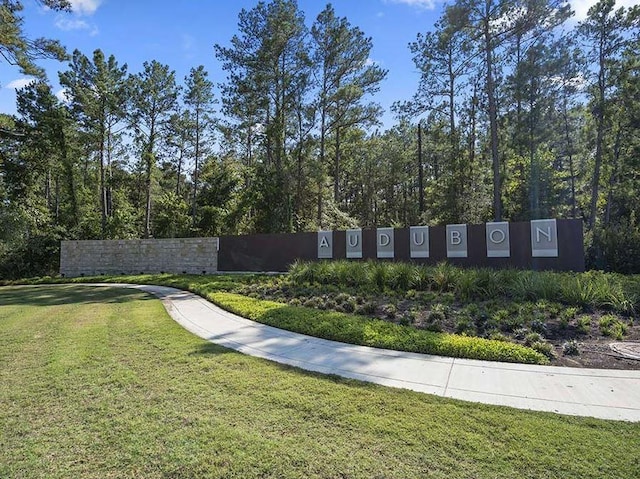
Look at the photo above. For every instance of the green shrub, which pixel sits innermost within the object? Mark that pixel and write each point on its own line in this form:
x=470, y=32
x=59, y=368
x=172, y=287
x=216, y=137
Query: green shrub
x=349, y=306
x=500, y=316
x=330, y=304
x=611, y=326
x=520, y=333
x=366, y=308
x=435, y=320
x=532, y=338
x=544, y=348
x=592, y=289
x=497, y=336
x=390, y=311
x=616, y=247
x=378, y=275
x=583, y=324
x=401, y=276
x=566, y=315
x=443, y=277
x=467, y=286
x=464, y=325
x=314, y=302
x=371, y=332
x=570, y=348
x=341, y=297
x=408, y=318
x=512, y=323
x=538, y=325
x=481, y=321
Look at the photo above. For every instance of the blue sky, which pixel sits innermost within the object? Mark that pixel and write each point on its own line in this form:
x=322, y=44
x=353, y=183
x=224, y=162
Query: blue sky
x=182, y=33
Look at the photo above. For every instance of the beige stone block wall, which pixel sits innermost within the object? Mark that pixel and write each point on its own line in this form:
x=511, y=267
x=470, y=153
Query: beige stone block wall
x=176, y=255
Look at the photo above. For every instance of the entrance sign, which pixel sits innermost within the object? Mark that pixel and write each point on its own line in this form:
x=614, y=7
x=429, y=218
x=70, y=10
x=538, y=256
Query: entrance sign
x=384, y=242
x=354, y=243
x=498, y=245
x=544, y=239
x=456, y=241
x=419, y=241
x=525, y=244
x=325, y=244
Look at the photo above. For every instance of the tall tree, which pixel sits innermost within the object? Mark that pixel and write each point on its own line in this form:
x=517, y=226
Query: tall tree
x=198, y=96
x=443, y=59
x=346, y=75
x=98, y=93
x=179, y=145
x=154, y=95
x=490, y=24
x=605, y=32
x=266, y=65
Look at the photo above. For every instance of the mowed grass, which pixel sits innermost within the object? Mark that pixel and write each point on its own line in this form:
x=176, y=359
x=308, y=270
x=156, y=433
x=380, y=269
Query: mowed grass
x=100, y=382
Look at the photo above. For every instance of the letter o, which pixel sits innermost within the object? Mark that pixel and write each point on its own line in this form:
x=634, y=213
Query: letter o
x=502, y=237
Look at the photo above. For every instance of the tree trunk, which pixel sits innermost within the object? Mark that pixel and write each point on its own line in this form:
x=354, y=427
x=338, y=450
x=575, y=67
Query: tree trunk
x=336, y=169
x=493, y=119
x=195, y=169
x=149, y=160
x=600, y=127
x=420, y=171
x=567, y=136
x=103, y=190
x=614, y=176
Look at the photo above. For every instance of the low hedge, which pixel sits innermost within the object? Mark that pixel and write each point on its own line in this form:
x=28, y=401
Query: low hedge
x=353, y=329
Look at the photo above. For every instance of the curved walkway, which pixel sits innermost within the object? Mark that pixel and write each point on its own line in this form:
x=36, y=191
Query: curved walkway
x=600, y=393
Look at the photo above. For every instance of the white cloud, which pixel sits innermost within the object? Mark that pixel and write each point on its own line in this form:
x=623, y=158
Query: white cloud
x=581, y=7
x=66, y=24
x=422, y=4
x=63, y=95
x=80, y=8
x=370, y=62
x=85, y=7
x=19, y=83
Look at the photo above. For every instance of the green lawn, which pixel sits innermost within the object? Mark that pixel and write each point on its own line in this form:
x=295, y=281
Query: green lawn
x=102, y=383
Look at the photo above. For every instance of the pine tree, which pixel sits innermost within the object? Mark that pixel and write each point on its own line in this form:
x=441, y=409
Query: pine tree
x=153, y=96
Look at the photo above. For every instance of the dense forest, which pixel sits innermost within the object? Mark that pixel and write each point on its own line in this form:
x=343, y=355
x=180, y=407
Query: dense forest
x=519, y=115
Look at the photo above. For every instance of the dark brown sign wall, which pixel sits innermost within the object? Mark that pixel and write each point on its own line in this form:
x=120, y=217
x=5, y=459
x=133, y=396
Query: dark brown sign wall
x=275, y=252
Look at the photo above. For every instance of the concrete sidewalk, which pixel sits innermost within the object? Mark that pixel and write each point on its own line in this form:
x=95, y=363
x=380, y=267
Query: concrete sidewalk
x=600, y=393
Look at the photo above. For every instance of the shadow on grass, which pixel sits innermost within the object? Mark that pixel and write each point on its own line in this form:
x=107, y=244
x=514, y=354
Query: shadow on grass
x=211, y=349
x=68, y=294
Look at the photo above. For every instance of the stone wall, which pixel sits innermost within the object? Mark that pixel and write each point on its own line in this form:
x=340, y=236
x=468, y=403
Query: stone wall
x=179, y=255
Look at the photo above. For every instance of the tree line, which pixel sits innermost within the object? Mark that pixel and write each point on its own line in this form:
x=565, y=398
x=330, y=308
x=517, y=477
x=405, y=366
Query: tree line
x=518, y=115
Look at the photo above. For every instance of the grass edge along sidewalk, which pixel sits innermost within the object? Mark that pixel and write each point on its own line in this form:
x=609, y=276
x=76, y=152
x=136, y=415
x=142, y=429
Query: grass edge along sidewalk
x=336, y=326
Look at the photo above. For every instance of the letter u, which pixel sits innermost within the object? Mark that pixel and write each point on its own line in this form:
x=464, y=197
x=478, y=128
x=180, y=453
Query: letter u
x=415, y=239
